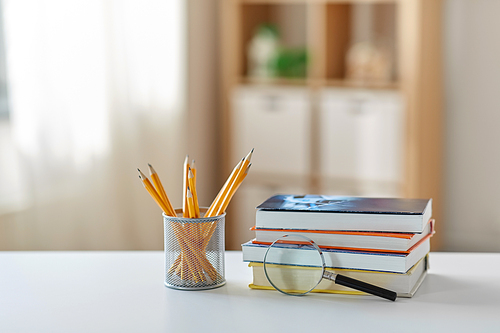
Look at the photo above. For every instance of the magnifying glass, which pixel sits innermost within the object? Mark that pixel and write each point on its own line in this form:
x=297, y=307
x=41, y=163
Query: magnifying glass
x=289, y=251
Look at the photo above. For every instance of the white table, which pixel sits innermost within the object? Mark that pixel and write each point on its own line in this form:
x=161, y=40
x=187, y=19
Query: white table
x=124, y=292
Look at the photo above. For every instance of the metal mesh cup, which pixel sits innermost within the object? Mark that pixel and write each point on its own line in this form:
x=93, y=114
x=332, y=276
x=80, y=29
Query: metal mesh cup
x=194, y=251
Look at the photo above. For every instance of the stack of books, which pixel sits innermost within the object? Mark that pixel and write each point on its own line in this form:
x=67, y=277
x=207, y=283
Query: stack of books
x=381, y=241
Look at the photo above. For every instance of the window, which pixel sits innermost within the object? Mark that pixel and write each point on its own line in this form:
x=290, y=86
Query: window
x=4, y=105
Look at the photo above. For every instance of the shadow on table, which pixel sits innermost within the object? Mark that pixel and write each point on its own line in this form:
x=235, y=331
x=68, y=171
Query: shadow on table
x=456, y=290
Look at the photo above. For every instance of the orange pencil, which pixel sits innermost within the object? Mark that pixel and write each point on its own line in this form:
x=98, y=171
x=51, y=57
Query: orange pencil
x=161, y=191
x=190, y=203
x=192, y=187
x=193, y=169
x=237, y=179
x=185, y=212
x=149, y=187
x=232, y=191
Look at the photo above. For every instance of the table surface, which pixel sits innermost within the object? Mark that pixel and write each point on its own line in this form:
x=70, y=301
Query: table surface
x=124, y=292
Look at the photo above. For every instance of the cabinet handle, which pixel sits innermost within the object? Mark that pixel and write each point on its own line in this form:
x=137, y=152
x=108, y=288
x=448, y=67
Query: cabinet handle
x=272, y=103
x=357, y=106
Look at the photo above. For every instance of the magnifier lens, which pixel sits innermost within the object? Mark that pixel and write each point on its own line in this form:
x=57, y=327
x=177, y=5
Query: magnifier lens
x=291, y=271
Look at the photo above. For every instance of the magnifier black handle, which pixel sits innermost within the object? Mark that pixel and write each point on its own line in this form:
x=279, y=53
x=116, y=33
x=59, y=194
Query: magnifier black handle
x=366, y=287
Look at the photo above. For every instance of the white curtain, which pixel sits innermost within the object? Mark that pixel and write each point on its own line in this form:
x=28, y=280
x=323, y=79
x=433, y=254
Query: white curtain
x=96, y=90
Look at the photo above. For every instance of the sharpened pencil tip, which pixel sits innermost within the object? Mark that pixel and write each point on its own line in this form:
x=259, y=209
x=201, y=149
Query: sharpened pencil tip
x=141, y=174
x=249, y=156
x=151, y=169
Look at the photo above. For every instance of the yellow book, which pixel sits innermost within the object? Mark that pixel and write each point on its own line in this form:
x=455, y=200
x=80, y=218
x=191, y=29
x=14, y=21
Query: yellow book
x=404, y=284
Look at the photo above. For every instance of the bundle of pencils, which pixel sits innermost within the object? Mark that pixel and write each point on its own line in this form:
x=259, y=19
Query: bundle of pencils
x=192, y=262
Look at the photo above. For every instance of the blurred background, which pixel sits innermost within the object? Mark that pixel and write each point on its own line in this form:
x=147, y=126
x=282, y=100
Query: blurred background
x=383, y=98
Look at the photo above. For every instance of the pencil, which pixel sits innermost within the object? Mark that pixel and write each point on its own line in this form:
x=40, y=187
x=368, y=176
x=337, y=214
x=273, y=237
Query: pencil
x=195, y=191
x=190, y=203
x=233, y=185
x=193, y=169
x=149, y=187
x=233, y=190
x=161, y=191
x=185, y=213
x=192, y=187
x=210, y=212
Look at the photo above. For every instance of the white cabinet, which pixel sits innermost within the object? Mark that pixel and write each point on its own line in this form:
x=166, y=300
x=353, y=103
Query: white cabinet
x=277, y=123
x=361, y=135
x=353, y=139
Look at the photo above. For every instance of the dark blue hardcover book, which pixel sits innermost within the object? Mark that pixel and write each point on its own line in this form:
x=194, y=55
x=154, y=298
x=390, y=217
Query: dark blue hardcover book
x=341, y=204
x=323, y=212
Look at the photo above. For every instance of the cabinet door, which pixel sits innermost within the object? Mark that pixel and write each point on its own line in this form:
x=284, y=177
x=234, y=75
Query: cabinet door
x=276, y=122
x=361, y=135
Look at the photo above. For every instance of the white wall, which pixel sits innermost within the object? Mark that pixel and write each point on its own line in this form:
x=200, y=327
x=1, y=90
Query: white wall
x=472, y=79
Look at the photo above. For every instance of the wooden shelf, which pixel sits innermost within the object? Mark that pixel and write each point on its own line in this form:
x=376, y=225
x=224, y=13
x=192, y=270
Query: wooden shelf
x=276, y=81
x=318, y=1
x=327, y=29
x=393, y=85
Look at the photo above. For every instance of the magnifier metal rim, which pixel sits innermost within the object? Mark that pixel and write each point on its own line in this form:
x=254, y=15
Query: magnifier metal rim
x=309, y=241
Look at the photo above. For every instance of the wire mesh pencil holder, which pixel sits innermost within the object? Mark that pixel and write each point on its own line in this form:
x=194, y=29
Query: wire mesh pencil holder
x=194, y=251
